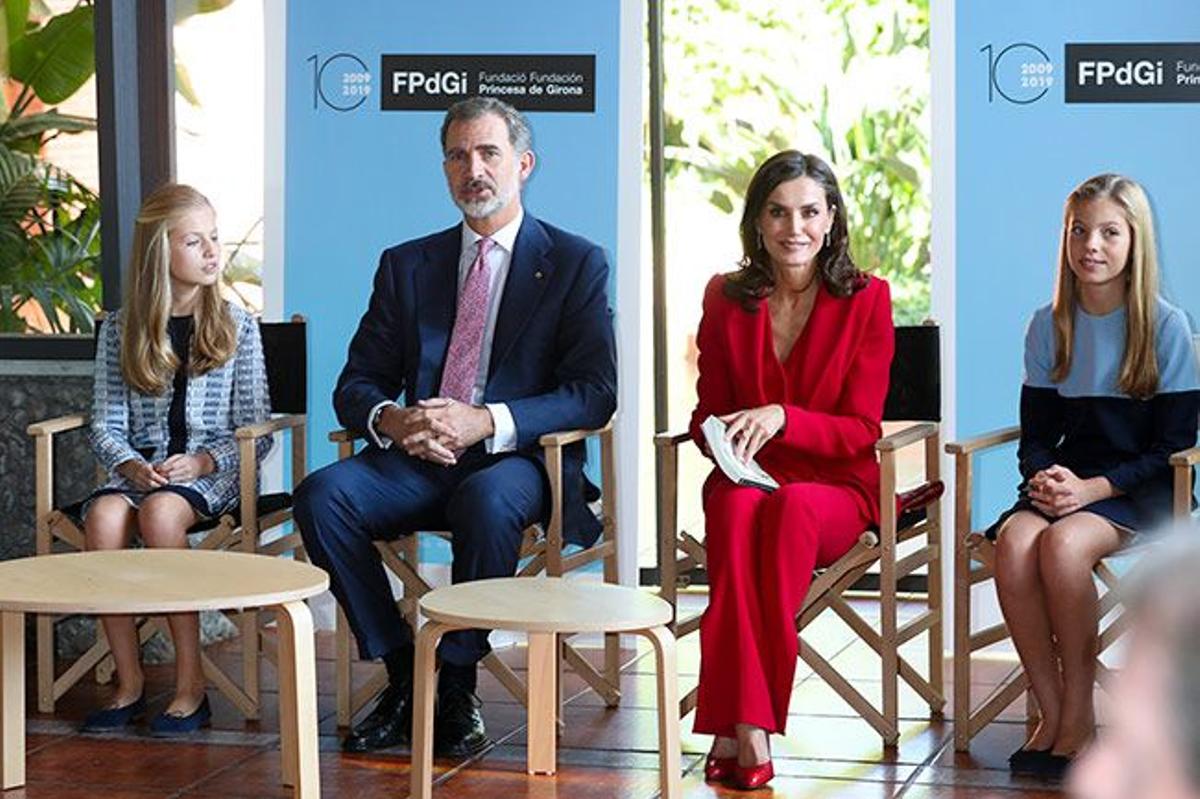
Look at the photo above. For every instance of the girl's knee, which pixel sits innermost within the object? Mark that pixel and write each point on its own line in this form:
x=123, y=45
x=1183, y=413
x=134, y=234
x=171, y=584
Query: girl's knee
x=163, y=520
x=106, y=525
x=1064, y=551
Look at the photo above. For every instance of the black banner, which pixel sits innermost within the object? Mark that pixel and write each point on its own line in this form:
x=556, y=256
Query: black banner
x=528, y=82
x=1133, y=73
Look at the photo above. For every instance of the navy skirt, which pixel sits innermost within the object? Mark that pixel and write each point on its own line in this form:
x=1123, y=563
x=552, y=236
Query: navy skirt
x=1122, y=511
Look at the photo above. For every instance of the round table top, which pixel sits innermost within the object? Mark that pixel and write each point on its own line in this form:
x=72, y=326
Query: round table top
x=545, y=604
x=154, y=581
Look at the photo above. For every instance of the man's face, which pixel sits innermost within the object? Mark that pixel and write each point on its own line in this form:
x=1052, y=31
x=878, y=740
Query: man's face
x=483, y=170
x=1137, y=754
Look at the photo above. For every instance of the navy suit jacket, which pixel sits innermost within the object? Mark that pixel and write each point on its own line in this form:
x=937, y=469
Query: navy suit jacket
x=553, y=359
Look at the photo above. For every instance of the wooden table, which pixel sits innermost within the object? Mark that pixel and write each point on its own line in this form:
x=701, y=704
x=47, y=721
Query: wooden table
x=544, y=607
x=154, y=581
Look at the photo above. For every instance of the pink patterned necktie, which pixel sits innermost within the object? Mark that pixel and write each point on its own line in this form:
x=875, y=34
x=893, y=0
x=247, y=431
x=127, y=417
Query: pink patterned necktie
x=466, y=342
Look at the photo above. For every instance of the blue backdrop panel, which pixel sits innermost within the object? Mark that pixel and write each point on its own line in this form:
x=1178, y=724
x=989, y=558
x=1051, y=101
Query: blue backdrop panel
x=1020, y=149
x=362, y=179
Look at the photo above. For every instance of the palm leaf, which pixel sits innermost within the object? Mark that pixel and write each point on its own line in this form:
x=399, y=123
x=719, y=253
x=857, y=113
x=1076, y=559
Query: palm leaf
x=35, y=125
x=55, y=60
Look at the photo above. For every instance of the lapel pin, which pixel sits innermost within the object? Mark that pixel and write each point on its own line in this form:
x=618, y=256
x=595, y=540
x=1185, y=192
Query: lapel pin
x=538, y=274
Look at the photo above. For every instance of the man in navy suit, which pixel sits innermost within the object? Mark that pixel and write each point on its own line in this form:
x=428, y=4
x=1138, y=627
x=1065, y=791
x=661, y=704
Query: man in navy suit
x=493, y=332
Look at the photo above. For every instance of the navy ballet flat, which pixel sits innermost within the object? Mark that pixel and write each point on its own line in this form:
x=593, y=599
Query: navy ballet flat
x=165, y=725
x=114, y=718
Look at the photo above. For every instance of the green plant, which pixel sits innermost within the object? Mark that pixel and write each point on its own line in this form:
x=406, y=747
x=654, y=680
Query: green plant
x=751, y=77
x=49, y=221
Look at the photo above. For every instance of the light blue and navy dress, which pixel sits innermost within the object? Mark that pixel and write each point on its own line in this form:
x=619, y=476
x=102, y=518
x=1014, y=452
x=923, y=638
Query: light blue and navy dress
x=196, y=413
x=1087, y=424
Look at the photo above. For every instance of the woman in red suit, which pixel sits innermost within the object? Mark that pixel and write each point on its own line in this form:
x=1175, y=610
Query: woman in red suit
x=795, y=350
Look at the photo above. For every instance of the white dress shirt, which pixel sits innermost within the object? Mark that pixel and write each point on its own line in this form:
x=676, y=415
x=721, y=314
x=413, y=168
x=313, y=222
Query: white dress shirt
x=499, y=258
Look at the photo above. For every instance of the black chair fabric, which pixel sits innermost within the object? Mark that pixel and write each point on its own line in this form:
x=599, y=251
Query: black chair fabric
x=915, y=390
x=285, y=349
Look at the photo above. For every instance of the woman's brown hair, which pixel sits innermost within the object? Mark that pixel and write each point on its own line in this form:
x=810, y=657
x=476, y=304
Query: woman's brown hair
x=754, y=278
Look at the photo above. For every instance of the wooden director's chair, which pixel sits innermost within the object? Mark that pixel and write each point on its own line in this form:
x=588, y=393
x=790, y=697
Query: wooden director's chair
x=974, y=563
x=60, y=527
x=914, y=395
x=543, y=550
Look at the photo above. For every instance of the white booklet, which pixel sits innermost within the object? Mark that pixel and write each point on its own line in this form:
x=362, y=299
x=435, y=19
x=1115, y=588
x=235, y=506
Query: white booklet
x=747, y=473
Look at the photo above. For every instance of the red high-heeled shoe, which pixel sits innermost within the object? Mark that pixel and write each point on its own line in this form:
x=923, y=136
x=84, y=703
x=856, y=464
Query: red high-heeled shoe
x=719, y=769
x=747, y=778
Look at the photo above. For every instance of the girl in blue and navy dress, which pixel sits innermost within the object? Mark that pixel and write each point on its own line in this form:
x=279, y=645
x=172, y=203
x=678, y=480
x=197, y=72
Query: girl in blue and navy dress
x=1111, y=390
x=178, y=369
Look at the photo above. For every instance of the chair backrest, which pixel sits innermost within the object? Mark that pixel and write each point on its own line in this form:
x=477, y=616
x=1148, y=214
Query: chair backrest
x=915, y=390
x=285, y=350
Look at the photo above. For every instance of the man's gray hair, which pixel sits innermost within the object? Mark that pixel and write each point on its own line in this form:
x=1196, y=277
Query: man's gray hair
x=1163, y=594
x=520, y=135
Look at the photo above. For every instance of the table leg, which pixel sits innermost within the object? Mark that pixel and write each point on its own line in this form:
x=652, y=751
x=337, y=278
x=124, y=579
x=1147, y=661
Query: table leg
x=542, y=755
x=298, y=700
x=12, y=700
x=668, y=709
x=424, y=681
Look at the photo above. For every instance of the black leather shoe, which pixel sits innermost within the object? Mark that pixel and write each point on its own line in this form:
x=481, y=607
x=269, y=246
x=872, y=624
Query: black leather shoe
x=388, y=724
x=1054, y=767
x=1028, y=761
x=458, y=728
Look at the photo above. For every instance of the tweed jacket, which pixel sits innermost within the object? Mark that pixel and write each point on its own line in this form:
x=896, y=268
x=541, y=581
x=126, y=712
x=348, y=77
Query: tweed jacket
x=126, y=423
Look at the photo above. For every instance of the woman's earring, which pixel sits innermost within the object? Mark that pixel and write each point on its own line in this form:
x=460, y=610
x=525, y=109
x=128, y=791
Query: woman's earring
x=760, y=241
x=827, y=236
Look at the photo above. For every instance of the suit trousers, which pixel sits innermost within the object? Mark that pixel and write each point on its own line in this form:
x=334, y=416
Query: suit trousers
x=485, y=501
x=762, y=548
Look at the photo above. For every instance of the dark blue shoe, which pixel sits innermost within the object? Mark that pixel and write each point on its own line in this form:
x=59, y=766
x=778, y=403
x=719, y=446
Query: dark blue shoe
x=114, y=718
x=164, y=725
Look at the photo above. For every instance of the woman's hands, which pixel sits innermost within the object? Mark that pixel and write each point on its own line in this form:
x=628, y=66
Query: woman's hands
x=143, y=476
x=750, y=429
x=185, y=468
x=1057, y=491
x=175, y=469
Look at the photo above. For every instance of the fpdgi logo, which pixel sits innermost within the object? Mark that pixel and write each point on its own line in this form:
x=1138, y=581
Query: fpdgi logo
x=1133, y=72
x=413, y=81
x=1130, y=73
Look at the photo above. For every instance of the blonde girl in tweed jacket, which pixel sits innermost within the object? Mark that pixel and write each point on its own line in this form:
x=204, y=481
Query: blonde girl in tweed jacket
x=178, y=369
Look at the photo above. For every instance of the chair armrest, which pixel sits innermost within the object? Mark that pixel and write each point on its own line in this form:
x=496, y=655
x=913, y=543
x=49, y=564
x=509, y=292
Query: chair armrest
x=671, y=438
x=1187, y=457
x=345, y=436
x=273, y=425
x=907, y=436
x=985, y=441
x=563, y=437
x=59, y=424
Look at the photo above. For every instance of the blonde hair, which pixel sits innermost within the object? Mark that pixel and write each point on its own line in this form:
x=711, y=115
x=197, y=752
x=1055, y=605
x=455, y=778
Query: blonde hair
x=148, y=363
x=1139, y=365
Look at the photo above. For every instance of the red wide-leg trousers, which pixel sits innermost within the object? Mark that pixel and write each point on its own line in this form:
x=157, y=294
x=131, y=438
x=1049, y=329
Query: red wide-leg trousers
x=762, y=549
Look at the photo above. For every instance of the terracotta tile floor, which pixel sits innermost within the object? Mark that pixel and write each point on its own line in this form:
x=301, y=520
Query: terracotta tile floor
x=829, y=752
